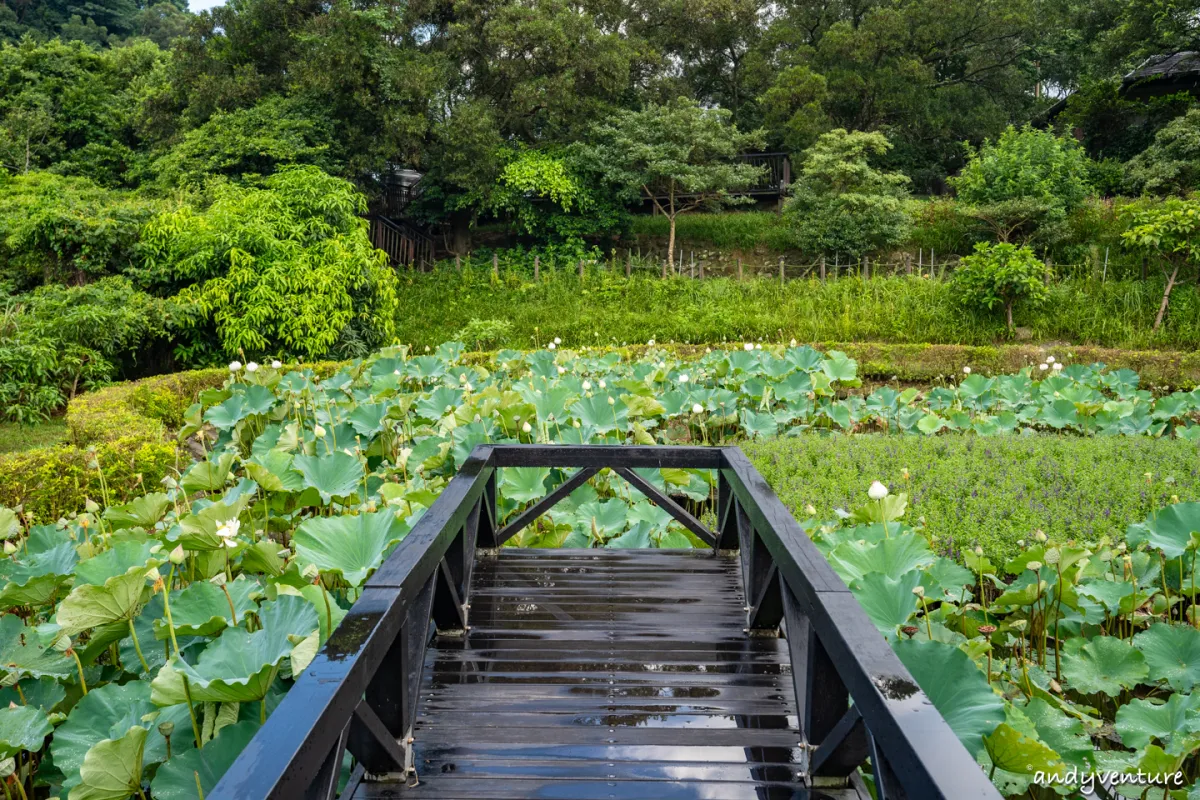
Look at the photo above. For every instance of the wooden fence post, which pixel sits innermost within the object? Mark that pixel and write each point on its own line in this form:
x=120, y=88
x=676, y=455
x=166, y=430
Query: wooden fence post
x=781, y=269
x=628, y=262
x=457, y=263
x=739, y=268
x=908, y=263
x=581, y=270
x=822, y=267
x=537, y=267
x=495, y=265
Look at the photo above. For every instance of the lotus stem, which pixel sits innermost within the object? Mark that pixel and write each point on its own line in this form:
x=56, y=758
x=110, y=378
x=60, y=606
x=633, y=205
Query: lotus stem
x=187, y=693
x=138, y=646
x=228, y=598
x=79, y=666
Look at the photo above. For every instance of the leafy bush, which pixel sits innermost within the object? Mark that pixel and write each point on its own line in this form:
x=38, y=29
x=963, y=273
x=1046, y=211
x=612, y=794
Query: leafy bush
x=841, y=204
x=248, y=141
x=732, y=229
x=57, y=341
x=1028, y=178
x=480, y=334
x=1171, y=164
x=1001, y=275
x=1171, y=231
x=285, y=268
x=66, y=230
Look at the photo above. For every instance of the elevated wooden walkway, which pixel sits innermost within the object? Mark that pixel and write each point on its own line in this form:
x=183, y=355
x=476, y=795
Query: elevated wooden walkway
x=471, y=670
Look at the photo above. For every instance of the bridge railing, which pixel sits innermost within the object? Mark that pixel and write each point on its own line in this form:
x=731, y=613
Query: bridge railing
x=856, y=700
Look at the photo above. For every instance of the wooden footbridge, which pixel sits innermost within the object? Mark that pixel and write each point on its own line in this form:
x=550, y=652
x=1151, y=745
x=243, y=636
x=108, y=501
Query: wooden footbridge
x=469, y=670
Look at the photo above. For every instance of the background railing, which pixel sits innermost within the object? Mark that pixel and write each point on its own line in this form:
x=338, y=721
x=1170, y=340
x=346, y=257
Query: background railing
x=856, y=701
x=405, y=244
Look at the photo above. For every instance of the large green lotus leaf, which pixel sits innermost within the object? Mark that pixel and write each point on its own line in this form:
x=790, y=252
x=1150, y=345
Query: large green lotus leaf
x=524, y=484
x=889, y=602
x=1103, y=664
x=202, y=609
x=1108, y=593
x=762, y=426
x=367, y=419
x=88, y=606
x=551, y=402
x=207, y=476
x=947, y=580
x=43, y=693
x=118, y=560
x=838, y=366
x=22, y=728
x=254, y=400
x=199, y=529
x=1024, y=591
x=10, y=526
x=1171, y=528
x=1172, y=654
x=273, y=471
x=335, y=475
x=350, y=545
x=176, y=780
x=21, y=650
x=1013, y=751
x=1062, y=733
x=239, y=666
x=143, y=512
x=598, y=519
x=894, y=556
x=1141, y=721
x=329, y=612
x=596, y=414
x=36, y=578
x=108, y=712
x=637, y=537
x=112, y=768
x=957, y=688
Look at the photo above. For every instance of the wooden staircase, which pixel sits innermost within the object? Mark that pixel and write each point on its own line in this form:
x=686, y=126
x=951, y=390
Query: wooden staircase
x=393, y=231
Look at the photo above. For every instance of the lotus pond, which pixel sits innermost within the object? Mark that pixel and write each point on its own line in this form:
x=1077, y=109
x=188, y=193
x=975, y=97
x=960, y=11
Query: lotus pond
x=144, y=643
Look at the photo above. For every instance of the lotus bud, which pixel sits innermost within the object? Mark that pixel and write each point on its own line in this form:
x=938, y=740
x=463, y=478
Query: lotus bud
x=177, y=555
x=318, y=432
x=877, y=491
x=684, y=378
x=551, y=346
x=966, y=370
x=557, y=340
x=611, y=401
x=276, y=364
x=251, y=367
x=978, y=551
x=9, y=548
x=587, y=386
x=527, y=427
x=235, y=366
x=602, y=384
x=575, y=423
x=1039, y=535
x=7, y=767
x=810, y=509
x=748, y=346
x=792, y=343
x=91, y=506
x=311, y=572
x=1174, y=499
x=697, y=408
x=1020, y=542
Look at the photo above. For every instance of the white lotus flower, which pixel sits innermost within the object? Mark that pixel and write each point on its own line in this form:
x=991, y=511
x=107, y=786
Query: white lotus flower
x=1058, y=366
x=1049, y=359
x=235, y=366
x=793, y=343
x=650, y=343
x=557, y=340
x=562, y=370
x=462, y=378
x=251, y=367
x=1043, y=367
x=177, y=555
x=527, y=427
x=229, y=529
x=697, y=408
x=966, y=370
x=748, y=346
x=587, y=386
x=758, y=347
x=877, y=491
x=602, y=384
x=551, y=346
x=276, y=364
x=684, y=378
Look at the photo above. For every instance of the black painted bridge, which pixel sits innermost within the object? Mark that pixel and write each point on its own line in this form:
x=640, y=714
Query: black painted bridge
x=471, y=670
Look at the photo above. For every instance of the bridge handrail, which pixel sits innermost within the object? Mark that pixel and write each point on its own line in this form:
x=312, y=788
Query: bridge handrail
x=856, y=700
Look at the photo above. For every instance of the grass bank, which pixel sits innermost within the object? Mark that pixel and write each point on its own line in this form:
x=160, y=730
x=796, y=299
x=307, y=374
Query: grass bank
x=608, y=309
x=988, y=492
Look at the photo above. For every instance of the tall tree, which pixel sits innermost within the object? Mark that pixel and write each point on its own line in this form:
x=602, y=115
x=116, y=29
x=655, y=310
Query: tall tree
x=678, y=156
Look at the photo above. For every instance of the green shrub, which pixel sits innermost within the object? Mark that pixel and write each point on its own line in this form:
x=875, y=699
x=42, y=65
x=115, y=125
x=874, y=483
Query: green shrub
x=743, y=230
x=840, y=203
x=989, y=492
x=1001, y=275
x=282, y=269
x=57, y=341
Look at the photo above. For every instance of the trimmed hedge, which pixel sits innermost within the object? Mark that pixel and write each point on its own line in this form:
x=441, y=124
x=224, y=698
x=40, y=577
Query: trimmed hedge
x=124, y=429
x=989, y=492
